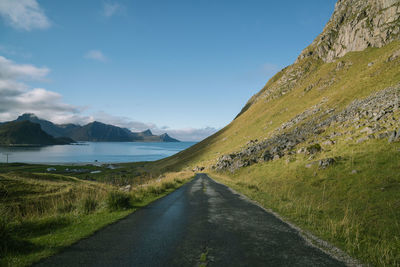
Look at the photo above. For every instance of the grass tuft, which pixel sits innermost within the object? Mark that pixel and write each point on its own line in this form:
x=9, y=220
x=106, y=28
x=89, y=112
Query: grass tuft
x=5, y=232
x=89, y=204
x=117, y=200
x=42, y=213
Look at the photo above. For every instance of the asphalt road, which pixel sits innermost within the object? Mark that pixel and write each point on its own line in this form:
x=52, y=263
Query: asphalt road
x=200, y=217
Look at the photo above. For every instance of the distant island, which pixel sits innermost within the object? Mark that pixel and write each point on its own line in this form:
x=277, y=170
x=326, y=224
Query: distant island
x=28, y=129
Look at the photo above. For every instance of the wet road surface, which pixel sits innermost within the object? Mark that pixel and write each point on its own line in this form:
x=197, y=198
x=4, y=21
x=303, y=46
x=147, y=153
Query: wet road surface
x=200, y=217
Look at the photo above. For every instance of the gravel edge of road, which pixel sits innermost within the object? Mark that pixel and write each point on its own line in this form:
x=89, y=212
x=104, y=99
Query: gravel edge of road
x=311, y=239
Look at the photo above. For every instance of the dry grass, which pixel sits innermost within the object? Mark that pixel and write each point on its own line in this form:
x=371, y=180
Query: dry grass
x=42, y=213
x=359, y=212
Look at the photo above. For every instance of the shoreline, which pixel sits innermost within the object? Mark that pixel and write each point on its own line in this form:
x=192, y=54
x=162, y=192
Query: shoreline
x=97, y=164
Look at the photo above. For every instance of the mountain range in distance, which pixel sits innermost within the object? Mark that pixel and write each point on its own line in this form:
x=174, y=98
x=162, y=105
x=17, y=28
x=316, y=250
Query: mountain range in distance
x=26, y=133
x=43, y=132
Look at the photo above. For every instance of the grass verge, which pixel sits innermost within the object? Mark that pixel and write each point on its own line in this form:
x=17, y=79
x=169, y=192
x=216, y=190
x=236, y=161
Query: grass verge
x=353, y=204
x=41, y=213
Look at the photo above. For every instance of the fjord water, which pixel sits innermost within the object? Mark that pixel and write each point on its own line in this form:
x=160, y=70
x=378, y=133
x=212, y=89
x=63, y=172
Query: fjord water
x=89, y=152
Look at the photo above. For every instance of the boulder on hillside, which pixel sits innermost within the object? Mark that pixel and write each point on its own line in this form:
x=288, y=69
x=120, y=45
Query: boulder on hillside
x=315, y=148
x=394, y=136
x=323, y=163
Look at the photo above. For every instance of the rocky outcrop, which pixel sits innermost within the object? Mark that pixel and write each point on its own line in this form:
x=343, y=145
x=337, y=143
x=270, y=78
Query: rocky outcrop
x=394, y=136
x=372, y=117
x=354, y=26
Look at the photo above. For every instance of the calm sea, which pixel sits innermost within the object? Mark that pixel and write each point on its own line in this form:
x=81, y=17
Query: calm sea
x=90, y=152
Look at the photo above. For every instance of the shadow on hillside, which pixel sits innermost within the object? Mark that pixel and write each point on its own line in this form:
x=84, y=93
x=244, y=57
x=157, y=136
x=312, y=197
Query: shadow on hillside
x=18, y=246
x=29, y=229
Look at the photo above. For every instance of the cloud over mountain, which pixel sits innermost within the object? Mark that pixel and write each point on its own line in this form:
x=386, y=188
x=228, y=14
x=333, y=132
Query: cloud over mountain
x=17, y=97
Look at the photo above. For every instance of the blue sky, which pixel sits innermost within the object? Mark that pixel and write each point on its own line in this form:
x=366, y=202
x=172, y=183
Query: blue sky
x=184, y=67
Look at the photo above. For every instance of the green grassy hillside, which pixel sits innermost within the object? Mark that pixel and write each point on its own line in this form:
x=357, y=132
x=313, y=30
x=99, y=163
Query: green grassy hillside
x=352, y=203
x=315, y=81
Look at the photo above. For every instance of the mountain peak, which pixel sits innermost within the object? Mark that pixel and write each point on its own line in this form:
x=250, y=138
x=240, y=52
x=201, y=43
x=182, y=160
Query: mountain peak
x=166, y=138
x=354, y=26
x=27, y=116
x=147, y=132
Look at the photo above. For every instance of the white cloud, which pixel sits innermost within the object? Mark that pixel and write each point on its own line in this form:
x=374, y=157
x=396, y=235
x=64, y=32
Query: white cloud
x=14, y=51
x=123, y=122
x=24, y=14
x=190, y=134
x=16, y=97
x=11, y=70
x=111, y=9
x=186, y=134
x=96, y=55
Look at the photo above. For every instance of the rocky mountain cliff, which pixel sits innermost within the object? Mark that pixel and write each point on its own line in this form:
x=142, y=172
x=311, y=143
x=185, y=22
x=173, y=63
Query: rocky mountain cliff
x=354, y=26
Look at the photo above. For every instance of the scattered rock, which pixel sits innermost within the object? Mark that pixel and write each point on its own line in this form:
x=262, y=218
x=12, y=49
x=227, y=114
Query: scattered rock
x=367, y=130
x=301, y=150
x=394, y=56
x=315, y=148
x=308, y=88
x=126, y=188
x=394, y=136
x=383, y=135
x=198, y=169
x=251, y=142
x=373, y=115
x=266, y=156
x=328, y=143
x=323, y=163
x=311, y=157
x=362, y=140
x=311, y=164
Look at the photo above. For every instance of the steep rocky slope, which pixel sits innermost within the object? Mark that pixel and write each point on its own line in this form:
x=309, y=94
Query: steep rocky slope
x=373, y=116
x=315, y=87
x=320, y=142
x=354, y=26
